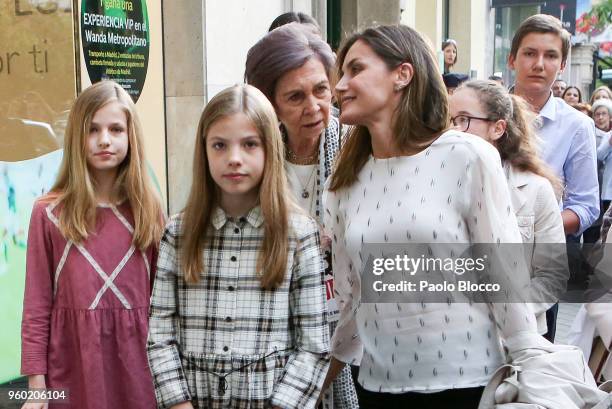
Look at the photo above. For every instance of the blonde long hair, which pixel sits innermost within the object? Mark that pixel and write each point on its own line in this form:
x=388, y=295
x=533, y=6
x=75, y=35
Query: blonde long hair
x=75, y=187
x=273, y=191
x=603, y=88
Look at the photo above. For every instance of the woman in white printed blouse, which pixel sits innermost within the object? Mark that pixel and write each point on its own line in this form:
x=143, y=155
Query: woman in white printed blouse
x=403, y=178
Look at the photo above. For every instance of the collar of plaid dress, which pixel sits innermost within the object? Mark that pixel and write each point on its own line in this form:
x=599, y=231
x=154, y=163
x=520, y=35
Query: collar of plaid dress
x=254, y=217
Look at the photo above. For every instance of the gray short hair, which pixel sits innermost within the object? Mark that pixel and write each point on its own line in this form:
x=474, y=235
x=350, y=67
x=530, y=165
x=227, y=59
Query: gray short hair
x=284, y=49
x=602, y=102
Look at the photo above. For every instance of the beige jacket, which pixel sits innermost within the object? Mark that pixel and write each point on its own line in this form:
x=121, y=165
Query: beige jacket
x=539, y=219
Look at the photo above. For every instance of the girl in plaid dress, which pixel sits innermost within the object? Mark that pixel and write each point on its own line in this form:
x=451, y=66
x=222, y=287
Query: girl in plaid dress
x=238, y=307
x=91, y=245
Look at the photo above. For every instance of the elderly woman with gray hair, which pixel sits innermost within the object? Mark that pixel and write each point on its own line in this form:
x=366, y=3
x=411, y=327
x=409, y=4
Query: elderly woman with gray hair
x=602, y=115
x=291, y=65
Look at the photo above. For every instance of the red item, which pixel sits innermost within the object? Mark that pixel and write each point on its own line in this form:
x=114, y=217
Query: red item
x=87, y=333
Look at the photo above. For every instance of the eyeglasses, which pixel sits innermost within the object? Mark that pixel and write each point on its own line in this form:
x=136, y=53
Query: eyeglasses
x=462, y=122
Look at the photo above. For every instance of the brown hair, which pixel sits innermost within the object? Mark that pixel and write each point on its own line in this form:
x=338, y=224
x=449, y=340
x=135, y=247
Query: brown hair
x=572, y=87
x=582, y=107
x=452, y=42
x=75, y=187
x=518, y=145
x=422, y=113
x=273, y=192
x=282, y=50
x=541, y=23
x=294, y=17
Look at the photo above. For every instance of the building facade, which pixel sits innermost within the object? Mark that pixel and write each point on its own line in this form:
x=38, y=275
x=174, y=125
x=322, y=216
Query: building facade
x=174, y=57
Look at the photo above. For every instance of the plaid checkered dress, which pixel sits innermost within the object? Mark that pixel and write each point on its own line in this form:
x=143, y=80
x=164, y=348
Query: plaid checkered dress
x=226, y=342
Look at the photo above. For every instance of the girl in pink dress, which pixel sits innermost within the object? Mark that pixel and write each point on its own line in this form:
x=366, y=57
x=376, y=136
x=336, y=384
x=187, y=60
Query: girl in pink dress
x=91, y=248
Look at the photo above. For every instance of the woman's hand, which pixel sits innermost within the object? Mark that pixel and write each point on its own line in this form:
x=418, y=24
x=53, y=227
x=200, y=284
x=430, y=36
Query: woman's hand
x=326, y=243
x=39, y=405
x=184, y=405
x=325, y=239
x=335, y=367
x=36, y=382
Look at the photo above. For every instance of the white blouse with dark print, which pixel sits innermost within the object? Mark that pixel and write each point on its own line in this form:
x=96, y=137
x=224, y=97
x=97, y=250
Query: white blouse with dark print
x=452, y=192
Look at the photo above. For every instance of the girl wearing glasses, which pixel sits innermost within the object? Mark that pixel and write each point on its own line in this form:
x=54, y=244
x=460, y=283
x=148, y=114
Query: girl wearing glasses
x=403, y=177
x=485, y=109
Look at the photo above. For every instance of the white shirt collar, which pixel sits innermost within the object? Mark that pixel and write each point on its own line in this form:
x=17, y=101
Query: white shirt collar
x=549, y=110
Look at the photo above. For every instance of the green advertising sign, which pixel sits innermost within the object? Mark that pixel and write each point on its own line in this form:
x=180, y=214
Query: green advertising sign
x=115, y=39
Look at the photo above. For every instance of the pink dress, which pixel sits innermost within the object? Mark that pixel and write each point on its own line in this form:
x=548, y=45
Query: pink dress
x=85, y=314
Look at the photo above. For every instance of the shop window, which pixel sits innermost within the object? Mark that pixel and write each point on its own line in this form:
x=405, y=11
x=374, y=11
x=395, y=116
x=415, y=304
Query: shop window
x=38, y=83
x=507, y=20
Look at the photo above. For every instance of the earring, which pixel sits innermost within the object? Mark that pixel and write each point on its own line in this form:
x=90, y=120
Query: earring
x=398, y=87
